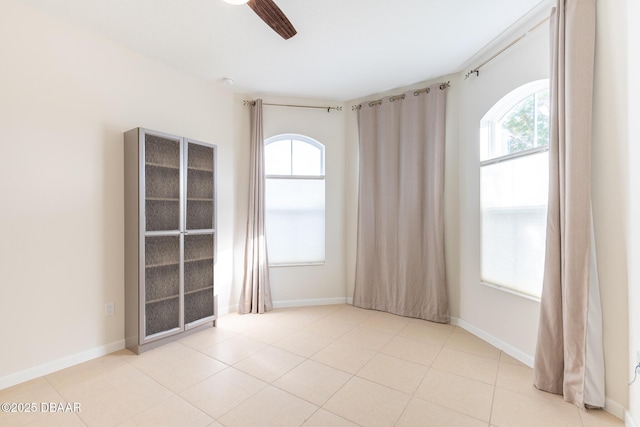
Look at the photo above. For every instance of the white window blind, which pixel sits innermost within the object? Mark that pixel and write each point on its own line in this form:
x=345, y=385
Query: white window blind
x=514, y=220
x=295, y=200
x=513, y=190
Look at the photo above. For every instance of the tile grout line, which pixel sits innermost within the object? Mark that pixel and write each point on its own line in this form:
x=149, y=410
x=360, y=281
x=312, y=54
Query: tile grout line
x=495, y=387
x=309, y=358
x=271, y=383
x=65, y=399
x=342, y=315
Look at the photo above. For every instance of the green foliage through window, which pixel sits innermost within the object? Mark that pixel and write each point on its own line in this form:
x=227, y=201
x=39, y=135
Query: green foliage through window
x=514, y=182
x=526, y=125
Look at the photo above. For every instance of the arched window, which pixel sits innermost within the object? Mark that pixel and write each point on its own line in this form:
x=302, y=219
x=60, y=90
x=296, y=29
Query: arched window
x=295, y=202
x=514, y=165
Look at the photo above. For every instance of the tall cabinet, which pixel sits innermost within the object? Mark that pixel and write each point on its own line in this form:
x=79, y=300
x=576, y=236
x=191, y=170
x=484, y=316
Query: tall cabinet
x=170, y=237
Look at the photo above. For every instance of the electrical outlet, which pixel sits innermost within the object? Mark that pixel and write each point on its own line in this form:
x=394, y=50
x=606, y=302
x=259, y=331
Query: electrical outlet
x=109, y=309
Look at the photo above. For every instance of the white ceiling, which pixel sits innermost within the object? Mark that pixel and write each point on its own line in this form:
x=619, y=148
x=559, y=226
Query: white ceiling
x=344, y=49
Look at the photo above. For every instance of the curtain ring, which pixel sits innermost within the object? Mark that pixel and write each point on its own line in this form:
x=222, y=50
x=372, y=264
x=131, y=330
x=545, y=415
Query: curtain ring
x=418, y=92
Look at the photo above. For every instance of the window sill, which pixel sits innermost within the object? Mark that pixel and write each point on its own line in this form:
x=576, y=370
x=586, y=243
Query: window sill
x=511, y=291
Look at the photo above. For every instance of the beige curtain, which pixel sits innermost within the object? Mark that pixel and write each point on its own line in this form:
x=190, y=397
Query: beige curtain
x=256, y=291
x=569, y=355
x=400, y=250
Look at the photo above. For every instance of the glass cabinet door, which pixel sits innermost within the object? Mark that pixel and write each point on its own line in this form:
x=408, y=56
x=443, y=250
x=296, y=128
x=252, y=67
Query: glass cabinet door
x=162, y=159
x=162, y=183
x=198, y=277
x=199, y=238
x=162, y=284
x=200, y=186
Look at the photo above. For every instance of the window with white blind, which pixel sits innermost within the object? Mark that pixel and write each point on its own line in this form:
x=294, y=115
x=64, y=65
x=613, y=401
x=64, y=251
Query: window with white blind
x=514, y=165
x=295, y=200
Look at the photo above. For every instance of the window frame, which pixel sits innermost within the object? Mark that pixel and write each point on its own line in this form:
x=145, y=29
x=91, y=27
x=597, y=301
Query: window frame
x=319, y=177
x=488, y=125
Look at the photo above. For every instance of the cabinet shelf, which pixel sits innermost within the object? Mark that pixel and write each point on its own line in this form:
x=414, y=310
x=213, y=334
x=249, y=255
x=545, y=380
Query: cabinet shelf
x=162, y=199
x=199, y=290
x=200, y=169
x=199, y=199
x=163, y=264
x=199, y=259
x=155, y=301
x=159, y=165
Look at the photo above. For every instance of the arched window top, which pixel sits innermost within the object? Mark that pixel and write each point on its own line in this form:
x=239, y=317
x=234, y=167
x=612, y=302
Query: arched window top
x=295, y=200
x=517, y=123
x=514, y=173
x=293, y=155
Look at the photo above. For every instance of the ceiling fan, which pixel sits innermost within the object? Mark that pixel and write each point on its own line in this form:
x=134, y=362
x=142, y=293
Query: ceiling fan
x=271, y=14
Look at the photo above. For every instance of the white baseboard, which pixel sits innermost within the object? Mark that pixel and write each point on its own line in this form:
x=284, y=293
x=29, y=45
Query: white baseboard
x=308, y=302
x=614, y=408
x=56, y=365
x=628, y=420
x=227, y=309
x=611, y=406
x=292, y=303
x=523, y=357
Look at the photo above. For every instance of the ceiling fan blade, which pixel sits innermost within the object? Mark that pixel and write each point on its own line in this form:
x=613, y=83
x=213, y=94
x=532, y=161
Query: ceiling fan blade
x=270, y=13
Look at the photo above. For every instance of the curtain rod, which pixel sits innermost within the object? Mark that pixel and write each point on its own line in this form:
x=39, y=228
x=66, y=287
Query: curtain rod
x=477, y=69
x=417, y=92
x=247, y=102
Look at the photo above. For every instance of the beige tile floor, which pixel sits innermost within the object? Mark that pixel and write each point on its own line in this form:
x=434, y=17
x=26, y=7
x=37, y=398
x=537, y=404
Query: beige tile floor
x=313, y=366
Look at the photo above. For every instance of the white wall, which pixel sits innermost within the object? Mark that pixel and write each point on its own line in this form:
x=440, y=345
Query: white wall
x=633, y=238
x=302, y=285
x=609, y=193
x=66, y=99
x=508, y=318
x=512, y=320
